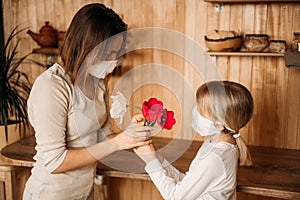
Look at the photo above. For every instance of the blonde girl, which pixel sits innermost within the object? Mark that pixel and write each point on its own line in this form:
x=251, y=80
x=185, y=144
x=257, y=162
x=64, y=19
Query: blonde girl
x=223, y=108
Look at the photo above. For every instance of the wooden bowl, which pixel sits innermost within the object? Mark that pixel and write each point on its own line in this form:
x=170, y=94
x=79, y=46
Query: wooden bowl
x=224, y=44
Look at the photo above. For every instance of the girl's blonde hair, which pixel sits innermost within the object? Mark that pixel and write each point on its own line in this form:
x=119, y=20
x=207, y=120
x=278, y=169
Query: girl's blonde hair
x=230, y=103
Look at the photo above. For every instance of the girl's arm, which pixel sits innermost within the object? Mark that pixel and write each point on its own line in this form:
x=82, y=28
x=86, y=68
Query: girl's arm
x=172, y=171
x=197, y=180
x=148, y=153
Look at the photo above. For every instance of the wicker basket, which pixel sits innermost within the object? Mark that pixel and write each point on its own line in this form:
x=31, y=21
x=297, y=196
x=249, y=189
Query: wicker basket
x=224, y=44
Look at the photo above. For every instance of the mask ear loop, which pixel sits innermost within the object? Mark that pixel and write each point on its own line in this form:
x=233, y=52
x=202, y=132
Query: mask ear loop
x=235, y=134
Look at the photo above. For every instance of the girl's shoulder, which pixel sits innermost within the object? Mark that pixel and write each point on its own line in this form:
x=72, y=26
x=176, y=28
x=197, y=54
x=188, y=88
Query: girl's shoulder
x=219, y=152
x=225, y=150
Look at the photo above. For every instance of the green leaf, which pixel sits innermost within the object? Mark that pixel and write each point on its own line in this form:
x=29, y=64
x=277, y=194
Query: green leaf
x=14, y=85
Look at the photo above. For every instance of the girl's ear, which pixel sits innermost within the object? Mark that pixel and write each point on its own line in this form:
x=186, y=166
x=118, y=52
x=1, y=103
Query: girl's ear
x=221, y=127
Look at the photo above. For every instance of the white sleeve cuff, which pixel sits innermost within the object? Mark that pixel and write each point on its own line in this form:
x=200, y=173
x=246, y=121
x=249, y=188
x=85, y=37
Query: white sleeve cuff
x=153, y=166
x=165, y=163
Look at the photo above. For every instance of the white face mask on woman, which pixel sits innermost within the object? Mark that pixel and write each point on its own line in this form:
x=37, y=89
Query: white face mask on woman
x=202, y=125
x=102, y=69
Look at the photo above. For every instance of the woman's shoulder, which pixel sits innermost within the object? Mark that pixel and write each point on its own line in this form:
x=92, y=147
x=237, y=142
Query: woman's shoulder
x=54, y=77
x=52, y=84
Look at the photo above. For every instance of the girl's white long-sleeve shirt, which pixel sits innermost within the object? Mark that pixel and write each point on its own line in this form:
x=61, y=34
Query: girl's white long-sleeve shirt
x=211, y=175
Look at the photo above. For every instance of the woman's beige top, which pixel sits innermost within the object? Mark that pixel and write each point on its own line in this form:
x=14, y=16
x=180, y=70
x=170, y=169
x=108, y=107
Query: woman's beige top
x=64, y=118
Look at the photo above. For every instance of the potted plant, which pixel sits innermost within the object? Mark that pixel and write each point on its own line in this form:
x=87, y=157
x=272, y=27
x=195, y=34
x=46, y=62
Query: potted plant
x=14, y=86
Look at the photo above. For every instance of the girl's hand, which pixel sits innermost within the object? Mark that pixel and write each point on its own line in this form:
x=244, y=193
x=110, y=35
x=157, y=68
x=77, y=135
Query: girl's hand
x=147, y=152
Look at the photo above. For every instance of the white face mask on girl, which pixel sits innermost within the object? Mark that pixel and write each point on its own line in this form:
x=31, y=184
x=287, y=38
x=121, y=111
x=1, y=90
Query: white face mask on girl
x=102, y=69
x=202, y=125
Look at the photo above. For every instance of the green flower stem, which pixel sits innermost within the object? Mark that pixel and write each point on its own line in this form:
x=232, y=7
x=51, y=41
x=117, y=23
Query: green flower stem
x=133, y=106
x=146, y=123
x=152, y=123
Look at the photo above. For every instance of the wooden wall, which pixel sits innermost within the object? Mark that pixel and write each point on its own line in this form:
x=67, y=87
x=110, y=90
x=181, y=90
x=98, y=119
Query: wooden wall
x=276, y=120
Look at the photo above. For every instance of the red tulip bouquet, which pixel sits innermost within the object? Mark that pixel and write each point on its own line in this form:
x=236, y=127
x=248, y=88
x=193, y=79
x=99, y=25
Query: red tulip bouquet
x=153, y=111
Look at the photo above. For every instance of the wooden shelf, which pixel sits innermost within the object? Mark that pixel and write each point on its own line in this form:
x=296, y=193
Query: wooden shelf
x=244, y=54
x=46, y=51
x=251, y=1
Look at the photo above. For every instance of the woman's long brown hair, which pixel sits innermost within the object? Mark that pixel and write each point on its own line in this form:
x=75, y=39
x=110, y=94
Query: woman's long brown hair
x=91, y=25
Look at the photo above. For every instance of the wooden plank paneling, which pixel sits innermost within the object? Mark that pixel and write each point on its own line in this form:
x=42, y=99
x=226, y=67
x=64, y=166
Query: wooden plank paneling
x=281, y=111
x=269, y=108
x=293, y=102
x=257, y=92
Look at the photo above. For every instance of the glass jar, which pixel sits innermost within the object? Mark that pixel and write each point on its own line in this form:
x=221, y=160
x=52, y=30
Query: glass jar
x=295, y=41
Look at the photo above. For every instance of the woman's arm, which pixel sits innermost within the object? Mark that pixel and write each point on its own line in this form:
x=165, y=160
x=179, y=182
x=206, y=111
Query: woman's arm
x=48, y=109
x=78, y=158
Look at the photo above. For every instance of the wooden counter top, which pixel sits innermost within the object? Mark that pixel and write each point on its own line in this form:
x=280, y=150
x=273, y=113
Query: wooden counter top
x=275, y=173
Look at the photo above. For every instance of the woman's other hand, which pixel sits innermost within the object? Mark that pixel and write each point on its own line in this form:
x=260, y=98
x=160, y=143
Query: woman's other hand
x=136, y=134
x=147, y=152
x=138, y=118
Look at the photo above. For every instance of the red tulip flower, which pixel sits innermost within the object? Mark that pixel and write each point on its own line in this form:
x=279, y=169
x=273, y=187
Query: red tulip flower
x=153, y=112
x=166, y=120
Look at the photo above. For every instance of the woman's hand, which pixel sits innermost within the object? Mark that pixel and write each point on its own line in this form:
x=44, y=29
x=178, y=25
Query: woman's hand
x=147, y=152
x=138, y=118
x=134, y=135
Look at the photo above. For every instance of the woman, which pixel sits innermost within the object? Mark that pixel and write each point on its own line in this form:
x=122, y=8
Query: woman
x=67, y=108
x=223, y=108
